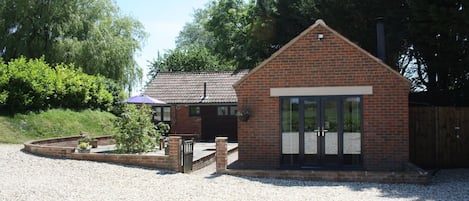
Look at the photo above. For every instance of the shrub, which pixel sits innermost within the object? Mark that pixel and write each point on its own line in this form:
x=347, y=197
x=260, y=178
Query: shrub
x=134, y=130
x=33, y=85
x=162, y=128
x=83, y=145
x=118, y=96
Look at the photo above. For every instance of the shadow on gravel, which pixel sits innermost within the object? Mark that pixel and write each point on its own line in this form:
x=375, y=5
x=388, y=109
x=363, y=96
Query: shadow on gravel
x=165, y=172
x=446, y=185
x=213, y=176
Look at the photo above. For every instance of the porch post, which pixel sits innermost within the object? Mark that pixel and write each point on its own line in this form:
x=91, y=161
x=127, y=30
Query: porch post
x=221, y=155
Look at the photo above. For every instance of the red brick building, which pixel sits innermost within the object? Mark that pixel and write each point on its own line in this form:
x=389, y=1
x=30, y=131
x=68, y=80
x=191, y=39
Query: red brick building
x=202, y=105
x=323, y=102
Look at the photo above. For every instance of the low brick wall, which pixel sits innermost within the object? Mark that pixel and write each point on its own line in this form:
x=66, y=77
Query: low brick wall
x=51, y=151
x=54, y=147
x=339, y=176
x=410, y=174
x=207, y=160
x=161, y=162
x=65, y=148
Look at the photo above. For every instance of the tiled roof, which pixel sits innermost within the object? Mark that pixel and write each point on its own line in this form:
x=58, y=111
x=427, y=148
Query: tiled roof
x=188, y=87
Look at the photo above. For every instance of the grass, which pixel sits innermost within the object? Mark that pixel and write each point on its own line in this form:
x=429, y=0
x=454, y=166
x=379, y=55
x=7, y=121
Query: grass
x=53, y=123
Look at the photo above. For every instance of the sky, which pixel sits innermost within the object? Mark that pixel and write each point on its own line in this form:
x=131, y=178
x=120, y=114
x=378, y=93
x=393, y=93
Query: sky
x=163, y=20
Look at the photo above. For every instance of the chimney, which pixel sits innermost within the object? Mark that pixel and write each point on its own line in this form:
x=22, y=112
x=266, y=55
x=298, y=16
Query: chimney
x=380, y=39
x=205, y=90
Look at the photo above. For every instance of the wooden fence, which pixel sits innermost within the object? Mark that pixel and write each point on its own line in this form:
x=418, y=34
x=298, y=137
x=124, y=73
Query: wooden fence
x=439, y=136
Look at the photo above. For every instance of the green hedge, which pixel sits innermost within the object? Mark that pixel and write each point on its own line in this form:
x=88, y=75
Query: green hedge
x=33, y=85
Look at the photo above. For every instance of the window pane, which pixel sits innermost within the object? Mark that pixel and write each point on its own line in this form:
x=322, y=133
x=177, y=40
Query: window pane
x=222, y=110
x=311, y=126
x=194, y=111
x=290, y=115
x=352, y=130
x=156, y=113
x=290, y=143
x=352, y=143
x=352, y=117
x=330, y=127
x=290, y=132
x=166, y=113
x=233, y=110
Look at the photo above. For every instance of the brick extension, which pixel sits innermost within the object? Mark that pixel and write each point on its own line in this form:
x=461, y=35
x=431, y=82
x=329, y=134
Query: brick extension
x=333, y=61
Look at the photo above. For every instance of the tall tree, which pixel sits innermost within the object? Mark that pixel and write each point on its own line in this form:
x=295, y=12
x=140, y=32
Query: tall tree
x=194, y=33
x=427, y=41
x=188, y=58
x=232, y=23
x=90, y=33
x=439, y=34
x=235, y=32
x=354, y=19
x=195, y=50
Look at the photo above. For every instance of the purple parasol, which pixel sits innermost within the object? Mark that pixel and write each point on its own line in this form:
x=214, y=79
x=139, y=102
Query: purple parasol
x=144, y=99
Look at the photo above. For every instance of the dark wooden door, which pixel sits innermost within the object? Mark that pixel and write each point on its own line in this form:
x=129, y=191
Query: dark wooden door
x=217, y=126
x=439, y=137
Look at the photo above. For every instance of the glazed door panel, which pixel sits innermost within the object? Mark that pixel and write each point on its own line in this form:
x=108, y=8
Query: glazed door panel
x=320, y=131
x=313, y=131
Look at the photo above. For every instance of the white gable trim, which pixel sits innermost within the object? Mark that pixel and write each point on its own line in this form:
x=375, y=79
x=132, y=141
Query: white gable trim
x=322, y=91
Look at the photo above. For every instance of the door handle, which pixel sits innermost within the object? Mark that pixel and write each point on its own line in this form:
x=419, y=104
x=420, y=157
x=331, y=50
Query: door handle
x=318, y=132
x=323, y=133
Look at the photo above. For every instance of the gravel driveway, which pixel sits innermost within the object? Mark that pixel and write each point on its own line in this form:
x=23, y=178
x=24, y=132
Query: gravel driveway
x=28, y=177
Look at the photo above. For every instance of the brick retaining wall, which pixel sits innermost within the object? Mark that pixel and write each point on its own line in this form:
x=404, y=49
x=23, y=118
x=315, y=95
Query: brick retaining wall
x=65, y=148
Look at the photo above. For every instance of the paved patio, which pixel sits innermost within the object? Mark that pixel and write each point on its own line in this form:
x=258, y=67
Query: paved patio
x=201, y=149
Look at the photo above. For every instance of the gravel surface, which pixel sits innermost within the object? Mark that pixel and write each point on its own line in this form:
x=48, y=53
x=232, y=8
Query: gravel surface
x=27, y=177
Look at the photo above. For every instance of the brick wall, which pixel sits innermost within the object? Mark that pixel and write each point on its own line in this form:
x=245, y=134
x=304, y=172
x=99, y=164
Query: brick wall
x=333, y=61
x=221, y=155
x=182, y=123
x=338, y=175
x=409, y=174
x=54, y=148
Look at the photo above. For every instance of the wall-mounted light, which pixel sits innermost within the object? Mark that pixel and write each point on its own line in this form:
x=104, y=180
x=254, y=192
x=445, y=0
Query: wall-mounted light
x=320, y=36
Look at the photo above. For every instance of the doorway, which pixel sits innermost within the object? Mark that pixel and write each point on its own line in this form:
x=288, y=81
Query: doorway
x=219, y=121
x=321, y=132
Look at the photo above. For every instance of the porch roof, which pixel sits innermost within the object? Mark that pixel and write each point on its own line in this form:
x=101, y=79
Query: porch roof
x=188, y=87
